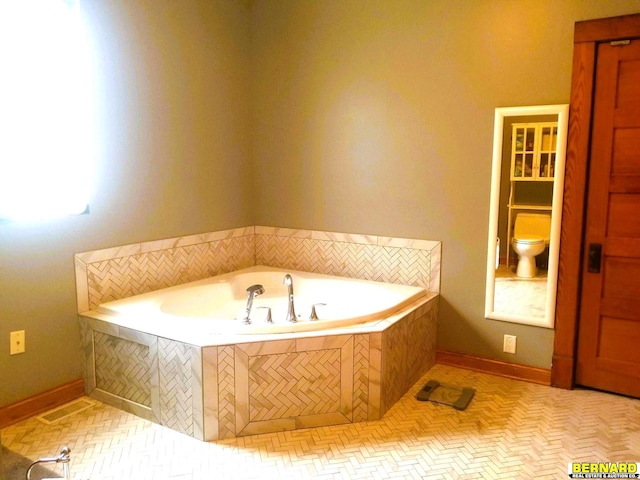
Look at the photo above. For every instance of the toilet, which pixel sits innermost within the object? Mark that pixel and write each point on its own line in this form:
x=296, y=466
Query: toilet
x=530, y=238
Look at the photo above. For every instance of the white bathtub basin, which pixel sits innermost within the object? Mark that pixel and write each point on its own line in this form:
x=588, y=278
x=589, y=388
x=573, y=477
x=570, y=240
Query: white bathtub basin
x=217, y=304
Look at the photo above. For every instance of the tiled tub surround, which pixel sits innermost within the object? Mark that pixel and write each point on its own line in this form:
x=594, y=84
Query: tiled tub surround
x=119, y=272
x=273, y=382
x=254, y=384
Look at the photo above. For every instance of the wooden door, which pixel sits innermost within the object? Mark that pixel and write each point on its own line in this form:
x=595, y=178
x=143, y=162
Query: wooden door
x=609, y=327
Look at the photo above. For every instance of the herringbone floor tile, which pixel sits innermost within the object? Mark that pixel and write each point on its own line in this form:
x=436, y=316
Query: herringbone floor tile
x=511, y=430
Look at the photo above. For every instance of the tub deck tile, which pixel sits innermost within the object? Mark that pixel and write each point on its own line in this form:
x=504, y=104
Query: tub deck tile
x=210, y=393
x=322, y=343
x=346, y=378
x=267, y=348
x=197, y=387
x=227, y=391
x=361, y=367
x=176, y=386
x=375, y=376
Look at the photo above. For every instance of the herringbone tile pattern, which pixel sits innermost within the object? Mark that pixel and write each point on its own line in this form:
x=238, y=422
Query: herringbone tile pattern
x=360, y=378
x=119, y=272
x=145, y=272
x=393, y=340
x=226, y=392
x=294, y=384
x=122, y=368
x=176, y=407
x=511, y=430
x=370, y=262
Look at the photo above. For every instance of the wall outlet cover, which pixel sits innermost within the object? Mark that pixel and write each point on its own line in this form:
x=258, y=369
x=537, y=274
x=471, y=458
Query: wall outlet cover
x=509, y=344
x=16, y=340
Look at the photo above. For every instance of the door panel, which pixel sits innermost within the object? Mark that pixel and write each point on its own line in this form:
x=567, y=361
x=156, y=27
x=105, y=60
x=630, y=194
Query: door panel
x=628, y=95
x=617, y=274
x=623, y=210
x=626, y=144
x=620, y=339
x=609, y=335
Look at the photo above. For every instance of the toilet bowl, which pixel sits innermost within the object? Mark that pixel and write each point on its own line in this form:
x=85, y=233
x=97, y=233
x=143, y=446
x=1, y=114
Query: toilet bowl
x=530, y=238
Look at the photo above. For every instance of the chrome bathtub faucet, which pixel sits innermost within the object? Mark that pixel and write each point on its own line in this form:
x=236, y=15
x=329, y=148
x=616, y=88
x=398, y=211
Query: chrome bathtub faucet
x=291, y=311
x=314, y=314
x=252, y=292
x=268, y=318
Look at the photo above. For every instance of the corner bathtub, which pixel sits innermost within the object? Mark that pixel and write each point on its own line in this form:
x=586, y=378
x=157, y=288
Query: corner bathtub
x=217, y=305
x=183, y=358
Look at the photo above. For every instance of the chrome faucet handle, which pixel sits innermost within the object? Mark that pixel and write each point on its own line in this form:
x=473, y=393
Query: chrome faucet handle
x=269, y=318
x=314, y=314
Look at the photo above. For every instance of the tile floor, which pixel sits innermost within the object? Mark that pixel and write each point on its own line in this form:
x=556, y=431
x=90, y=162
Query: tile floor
x=520, y=296
x=511, y=430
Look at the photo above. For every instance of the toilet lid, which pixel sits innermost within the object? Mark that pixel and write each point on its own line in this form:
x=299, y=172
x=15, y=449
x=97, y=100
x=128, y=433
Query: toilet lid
x=529, y=239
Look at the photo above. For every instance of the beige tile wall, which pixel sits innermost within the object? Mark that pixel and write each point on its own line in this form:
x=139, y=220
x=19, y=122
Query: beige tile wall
x=226, y=391
x=119, y=272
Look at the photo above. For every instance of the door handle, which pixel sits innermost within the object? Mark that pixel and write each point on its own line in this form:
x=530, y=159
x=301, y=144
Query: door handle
x=595, y=257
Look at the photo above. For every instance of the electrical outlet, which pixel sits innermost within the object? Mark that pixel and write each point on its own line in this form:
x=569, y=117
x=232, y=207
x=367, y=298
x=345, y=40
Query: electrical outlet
x=16, y=340
x=509, y=344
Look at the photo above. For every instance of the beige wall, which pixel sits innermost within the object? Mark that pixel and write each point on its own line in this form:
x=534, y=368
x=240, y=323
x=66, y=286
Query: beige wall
x=172, y=160
x=376, y=117
x=370, y=116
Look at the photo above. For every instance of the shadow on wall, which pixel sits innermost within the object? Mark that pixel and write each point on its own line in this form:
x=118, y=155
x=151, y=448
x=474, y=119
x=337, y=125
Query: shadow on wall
x=448, y=335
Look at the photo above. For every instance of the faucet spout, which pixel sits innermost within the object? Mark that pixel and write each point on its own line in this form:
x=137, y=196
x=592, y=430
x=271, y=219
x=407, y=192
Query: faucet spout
x=291, y=311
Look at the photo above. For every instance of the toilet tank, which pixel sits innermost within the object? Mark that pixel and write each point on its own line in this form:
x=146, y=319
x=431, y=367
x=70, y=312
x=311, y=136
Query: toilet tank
x=537, y=224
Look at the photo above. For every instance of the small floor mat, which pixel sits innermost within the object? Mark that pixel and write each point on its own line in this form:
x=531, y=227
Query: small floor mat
x=456, y=397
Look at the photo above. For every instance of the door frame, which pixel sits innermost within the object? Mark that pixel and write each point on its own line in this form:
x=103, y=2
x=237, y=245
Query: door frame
x=587, y=35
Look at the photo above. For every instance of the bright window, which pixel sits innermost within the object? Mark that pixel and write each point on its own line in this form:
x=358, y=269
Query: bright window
x=46, y=128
